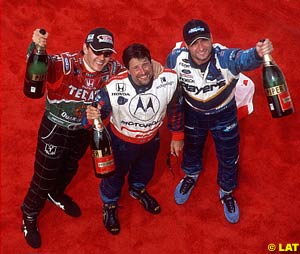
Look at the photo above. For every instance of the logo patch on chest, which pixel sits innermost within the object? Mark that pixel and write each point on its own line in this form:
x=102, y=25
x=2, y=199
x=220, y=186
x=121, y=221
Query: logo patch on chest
x=144, y=106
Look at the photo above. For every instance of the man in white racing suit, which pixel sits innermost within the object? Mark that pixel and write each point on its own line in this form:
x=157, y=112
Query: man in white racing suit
x=137, y=105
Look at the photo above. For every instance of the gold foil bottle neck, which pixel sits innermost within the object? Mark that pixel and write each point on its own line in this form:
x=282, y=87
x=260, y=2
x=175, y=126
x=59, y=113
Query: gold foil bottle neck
x=40, y=50
x=268, y=60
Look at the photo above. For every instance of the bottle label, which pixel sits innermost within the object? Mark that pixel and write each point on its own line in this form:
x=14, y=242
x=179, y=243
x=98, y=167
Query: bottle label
x=38, y=77
x=32, y=89
x=283, y=96
x=285, y=101
x=271, y=91
x=104, y=164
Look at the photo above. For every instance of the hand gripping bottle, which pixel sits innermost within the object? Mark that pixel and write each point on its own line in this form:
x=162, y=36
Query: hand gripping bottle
x=36, y=72
x=102, y=155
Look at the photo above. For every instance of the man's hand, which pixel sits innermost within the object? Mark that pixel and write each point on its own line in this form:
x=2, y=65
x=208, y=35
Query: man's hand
x=176, y=147
x=38, y=38
x=92, y=112
x=264, y=47
x=157, y=68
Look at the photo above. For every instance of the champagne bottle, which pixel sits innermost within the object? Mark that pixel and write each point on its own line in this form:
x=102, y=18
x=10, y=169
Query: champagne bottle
x=103, y=160
x=276, y=90
x=36, y=72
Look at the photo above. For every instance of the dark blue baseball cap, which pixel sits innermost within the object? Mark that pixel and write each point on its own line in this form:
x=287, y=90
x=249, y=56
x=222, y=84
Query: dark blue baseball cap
x=194, y=30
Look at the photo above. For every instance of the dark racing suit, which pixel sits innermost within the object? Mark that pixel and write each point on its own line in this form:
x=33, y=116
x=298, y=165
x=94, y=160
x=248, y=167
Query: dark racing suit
x=62, y=141
x=137, y=112
x=209, y=105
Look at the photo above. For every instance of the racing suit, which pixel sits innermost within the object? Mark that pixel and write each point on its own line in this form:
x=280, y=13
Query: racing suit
x=62, y=140
x=136, y=113
x=210, y=105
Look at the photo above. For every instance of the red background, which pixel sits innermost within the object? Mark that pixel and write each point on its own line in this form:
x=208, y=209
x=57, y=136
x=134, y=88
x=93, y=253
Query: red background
x=268, y=193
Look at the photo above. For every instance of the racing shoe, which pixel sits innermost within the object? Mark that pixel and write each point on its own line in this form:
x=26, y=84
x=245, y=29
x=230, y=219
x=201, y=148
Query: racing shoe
x=148, y=202
x=65, y=203
x=184, y=188
x=110, y=218
x=31, y=232
x=231, y=209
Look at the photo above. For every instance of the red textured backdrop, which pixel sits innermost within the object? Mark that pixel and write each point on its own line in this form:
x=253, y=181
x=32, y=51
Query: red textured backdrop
x=268, y=193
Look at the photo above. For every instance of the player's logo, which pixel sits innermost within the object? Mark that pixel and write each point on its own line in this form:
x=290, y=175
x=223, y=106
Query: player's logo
x=163, y=80
x=144, y=106
x=120, y=87
x=121, y=100
x=105, y=38
x=50, y=149
x=245, y=82
x=89, y=82
x=186, y=71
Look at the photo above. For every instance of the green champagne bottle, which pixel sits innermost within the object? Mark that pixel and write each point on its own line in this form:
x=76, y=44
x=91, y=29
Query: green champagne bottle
x=276, y=89
x=36, y=72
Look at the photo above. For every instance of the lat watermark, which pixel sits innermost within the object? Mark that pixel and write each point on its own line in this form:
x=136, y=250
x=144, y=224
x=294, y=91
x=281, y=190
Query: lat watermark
x=288, y=247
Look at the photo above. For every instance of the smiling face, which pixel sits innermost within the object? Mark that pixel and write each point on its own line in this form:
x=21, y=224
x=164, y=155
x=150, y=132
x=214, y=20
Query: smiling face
x=200, y=50
x=95, y=62
x=141, y=71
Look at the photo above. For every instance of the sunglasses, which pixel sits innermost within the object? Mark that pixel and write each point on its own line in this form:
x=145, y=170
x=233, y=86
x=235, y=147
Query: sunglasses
x=104, y=53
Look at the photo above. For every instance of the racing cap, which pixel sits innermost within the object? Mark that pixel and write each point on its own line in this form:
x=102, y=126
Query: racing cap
x=100, y=39
x=194, y=30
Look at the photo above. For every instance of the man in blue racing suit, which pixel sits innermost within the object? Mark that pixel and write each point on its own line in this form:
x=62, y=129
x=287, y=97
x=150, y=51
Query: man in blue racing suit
x=208, y=74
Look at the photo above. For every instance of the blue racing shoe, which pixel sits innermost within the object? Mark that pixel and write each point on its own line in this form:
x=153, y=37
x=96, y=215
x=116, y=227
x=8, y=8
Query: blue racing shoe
x=184, y=188
x=231, y=209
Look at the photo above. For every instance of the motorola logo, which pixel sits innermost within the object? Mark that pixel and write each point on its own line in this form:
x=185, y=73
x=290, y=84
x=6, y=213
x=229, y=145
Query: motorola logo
x=144, y=106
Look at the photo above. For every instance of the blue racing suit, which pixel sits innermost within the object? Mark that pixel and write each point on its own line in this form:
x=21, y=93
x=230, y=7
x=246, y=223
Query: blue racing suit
x=209, y=105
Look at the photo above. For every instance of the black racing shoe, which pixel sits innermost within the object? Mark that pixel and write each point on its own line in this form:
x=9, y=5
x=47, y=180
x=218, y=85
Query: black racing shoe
x=110, y=218
x=31, y=232
x=65, y=203
x=149, y=203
